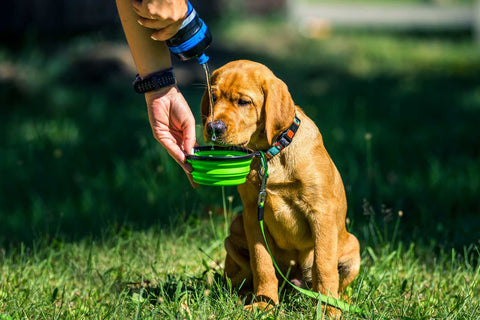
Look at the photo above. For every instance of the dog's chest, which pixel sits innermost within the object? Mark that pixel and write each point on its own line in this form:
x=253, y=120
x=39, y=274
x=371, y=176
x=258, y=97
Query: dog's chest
x=286, y=219
x=285, y=207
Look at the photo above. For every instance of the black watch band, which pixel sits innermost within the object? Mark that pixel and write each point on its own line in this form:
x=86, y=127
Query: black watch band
x=154, y=81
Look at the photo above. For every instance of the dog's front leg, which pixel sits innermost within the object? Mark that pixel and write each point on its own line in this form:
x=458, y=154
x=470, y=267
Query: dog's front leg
x=265, y=282
x=325, y=277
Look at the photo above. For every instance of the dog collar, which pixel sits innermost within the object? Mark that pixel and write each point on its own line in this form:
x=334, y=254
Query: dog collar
x=283, y=140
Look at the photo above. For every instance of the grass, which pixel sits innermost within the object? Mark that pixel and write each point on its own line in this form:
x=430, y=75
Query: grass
x=435, y=2
x=176, y=272
x=96, y=220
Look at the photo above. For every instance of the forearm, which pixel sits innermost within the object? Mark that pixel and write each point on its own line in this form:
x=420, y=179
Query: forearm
x=149, y=55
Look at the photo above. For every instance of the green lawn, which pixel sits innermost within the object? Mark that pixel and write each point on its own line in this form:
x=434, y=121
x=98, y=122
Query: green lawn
x=434, y=2
x=91, y=207
x=175, y=273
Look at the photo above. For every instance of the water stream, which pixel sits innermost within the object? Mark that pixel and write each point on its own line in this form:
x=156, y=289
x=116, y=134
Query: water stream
x=209, y=87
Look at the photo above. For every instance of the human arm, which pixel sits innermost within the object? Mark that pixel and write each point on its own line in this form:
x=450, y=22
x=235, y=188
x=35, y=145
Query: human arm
x=171, y=119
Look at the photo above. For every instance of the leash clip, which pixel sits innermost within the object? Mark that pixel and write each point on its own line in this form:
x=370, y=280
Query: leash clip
x=261, y=198
x=262, y=194
x=263, y=174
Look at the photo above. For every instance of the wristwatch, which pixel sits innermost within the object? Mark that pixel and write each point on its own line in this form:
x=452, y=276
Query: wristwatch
x=154, y=81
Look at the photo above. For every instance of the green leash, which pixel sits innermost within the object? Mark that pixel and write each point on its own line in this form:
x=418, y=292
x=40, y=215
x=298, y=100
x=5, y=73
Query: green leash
x=331, y=301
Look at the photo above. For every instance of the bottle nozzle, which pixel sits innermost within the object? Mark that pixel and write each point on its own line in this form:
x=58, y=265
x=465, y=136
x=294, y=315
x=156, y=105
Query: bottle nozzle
x=203, y=59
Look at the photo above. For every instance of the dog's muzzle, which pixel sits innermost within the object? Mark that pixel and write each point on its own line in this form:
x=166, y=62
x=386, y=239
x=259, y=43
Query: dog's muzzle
x=216, y=128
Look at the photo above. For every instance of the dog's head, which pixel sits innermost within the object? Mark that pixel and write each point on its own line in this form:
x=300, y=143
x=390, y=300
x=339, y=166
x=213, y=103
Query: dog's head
x=251, y=106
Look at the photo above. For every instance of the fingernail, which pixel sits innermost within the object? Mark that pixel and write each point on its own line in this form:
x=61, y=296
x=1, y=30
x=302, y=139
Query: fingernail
x=140, y=22
x=153, y=37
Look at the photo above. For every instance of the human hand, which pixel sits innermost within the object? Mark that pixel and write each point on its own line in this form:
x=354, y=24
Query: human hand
x=173, y=124
x=166, y=16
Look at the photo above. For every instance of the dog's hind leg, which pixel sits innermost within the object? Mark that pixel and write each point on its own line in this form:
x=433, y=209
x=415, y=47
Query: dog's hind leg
x=349, y=262
x=237, y=264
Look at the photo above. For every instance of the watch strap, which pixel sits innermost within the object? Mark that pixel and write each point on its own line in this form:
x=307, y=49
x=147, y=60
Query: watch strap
x=154, y=81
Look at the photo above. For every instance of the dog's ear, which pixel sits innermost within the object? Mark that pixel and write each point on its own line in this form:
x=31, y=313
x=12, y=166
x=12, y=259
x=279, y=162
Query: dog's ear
x=279, y=107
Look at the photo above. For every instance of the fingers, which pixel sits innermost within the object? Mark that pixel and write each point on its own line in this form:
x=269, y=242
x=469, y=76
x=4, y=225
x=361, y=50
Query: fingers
x=173, y=10
x=190, y=178
x=165, y=29
x=189, y=139
x=173, y=150
x=166, y=33
x=153, y=23
x=151, y=9
x=164, y=16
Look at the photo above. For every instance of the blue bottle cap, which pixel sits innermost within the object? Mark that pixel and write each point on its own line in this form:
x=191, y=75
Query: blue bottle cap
x=203, y=59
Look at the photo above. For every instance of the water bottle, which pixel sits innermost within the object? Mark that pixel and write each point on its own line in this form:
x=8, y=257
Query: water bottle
x=192, y=39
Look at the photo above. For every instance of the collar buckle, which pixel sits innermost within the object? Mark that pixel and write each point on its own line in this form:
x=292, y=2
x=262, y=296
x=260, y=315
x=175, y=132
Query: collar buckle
x=284, y=139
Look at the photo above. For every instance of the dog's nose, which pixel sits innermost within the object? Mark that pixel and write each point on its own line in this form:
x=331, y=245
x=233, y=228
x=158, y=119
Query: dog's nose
x=217, y=127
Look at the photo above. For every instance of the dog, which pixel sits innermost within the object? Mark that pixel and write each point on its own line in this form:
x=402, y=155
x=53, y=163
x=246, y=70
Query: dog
x=305, y=206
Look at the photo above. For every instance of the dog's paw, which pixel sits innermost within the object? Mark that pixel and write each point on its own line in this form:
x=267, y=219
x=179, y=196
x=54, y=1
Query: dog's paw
x=333, y=313
x=260, y=306
x=346, y=298
x=329, y=313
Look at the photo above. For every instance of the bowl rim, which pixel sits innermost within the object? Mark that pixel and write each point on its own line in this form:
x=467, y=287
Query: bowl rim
x=248, y=153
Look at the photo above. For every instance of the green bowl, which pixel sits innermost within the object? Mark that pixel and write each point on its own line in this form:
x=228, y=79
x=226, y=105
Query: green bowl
x=220, y=166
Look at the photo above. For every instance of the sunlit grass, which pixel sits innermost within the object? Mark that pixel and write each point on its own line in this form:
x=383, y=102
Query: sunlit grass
x=166, y=273
x=424, y=2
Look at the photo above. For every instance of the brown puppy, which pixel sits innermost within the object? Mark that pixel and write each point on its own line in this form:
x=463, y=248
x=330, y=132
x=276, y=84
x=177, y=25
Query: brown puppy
x=305, y=205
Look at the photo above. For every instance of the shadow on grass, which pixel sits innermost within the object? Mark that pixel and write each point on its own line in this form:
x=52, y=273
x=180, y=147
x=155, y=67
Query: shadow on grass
x=78, y=154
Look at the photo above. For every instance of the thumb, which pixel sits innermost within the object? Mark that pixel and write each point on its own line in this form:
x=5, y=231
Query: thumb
x=189, y=139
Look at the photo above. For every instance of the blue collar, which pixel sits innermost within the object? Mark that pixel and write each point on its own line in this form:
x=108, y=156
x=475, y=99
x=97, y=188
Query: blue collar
x=283, y=140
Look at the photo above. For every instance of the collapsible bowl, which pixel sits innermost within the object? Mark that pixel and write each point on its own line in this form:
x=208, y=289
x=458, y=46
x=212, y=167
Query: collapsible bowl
x=220, y=166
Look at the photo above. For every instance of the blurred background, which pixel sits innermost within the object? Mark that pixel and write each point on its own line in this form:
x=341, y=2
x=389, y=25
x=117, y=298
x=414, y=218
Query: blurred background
x=393, y=85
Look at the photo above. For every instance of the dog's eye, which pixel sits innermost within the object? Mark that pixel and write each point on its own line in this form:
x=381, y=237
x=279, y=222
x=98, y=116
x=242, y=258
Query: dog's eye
x=243, y=102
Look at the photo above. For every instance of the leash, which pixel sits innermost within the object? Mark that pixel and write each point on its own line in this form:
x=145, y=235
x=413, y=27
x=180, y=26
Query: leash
x=331, y=301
